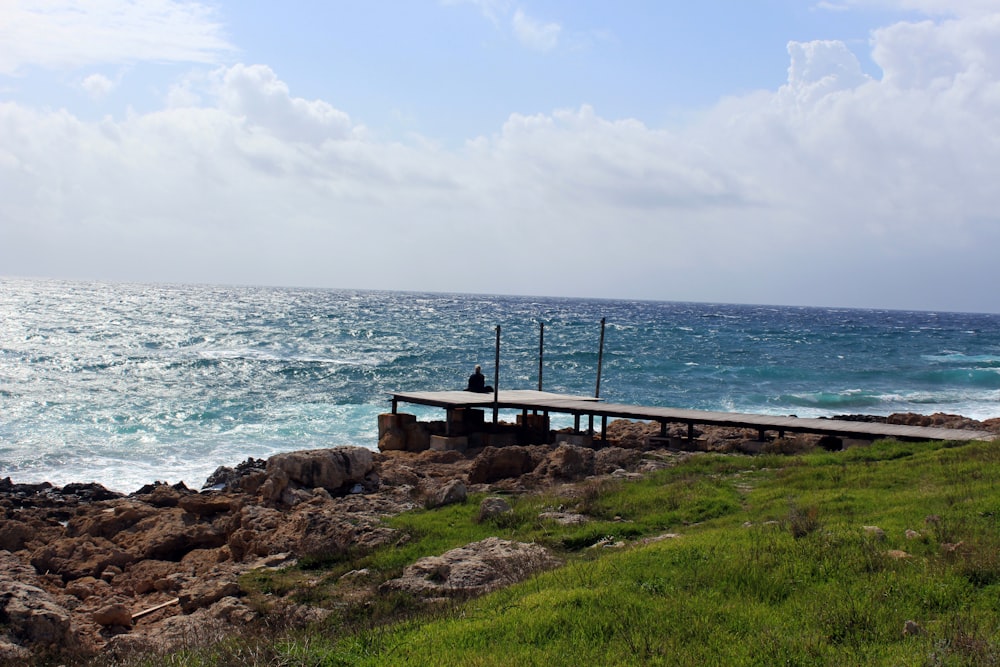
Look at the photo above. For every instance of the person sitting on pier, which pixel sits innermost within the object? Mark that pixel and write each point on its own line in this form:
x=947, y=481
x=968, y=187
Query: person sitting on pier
x=477, y=382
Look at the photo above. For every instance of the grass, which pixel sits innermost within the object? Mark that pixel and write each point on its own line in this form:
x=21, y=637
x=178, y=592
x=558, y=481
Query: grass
x=773, y=566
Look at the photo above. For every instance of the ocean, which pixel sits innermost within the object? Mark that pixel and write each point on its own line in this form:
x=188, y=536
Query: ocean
x=126, y=384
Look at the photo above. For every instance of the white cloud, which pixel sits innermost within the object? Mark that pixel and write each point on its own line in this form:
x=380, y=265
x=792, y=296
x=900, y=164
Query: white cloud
x=97, y=85
x=79, y=33
x=256, y=93
x=535, y=34
x=963, y=8
x=931, y=55
x=822, y=67
x=834, y=189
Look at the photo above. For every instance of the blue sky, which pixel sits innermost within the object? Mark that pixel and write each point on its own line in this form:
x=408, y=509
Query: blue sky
x=839, y=153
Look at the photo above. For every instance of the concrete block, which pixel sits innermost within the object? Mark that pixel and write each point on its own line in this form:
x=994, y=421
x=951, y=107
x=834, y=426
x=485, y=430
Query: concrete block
x=534, y=422
x=443, y=443
x=390, y=420
x=418, y=437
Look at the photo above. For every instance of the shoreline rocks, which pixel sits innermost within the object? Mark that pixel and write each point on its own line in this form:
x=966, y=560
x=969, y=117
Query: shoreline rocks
x=90, y=570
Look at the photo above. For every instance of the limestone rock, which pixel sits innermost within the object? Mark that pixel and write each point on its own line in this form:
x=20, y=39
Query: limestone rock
x=496, y=463
x=32, y=616
x=450, y=493
x=236, y=479
x=114, y=614
x=609, y=459
x=474, y=569
x=232, y=611
x=492, y=506
x=143, y=577
x=110, y=520
x=208, y=590
x=336, y=470
x=184, y=630
x=564, y=518
x=86, y=587
x=75, y=557
x=169, y=535
x=161, y=494
x=568, y=462
x=14, y=535
x=12, y=654
x=207, y=504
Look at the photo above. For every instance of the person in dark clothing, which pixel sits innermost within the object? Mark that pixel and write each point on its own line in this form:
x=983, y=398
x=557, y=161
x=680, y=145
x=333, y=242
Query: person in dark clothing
x=477, y=382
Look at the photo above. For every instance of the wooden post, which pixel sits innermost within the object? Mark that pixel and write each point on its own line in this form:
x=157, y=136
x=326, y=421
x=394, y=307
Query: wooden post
x=496, y=381
x=600, y=360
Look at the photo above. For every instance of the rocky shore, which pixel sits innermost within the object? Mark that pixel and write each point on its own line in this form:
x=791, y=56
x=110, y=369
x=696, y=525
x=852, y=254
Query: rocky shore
x=85, y=570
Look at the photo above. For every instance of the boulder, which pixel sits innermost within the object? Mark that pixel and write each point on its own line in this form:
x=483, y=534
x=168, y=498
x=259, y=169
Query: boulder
x=75, y=557
x=14, y=535
x=568, y=462
x=142, y=577
x=161, y=494
x=234, y=479
x=111, y=520
x=114, y=614
x=337, y=470
x=564, y=518
x=28, y=614
x=208, y=590
x=496, y=463
x=206, y=504
x=609, y=459
x=32, y=616
x=232, y=611
x=491, y=507
x=474, y=569
x=169, y=535
x=449, y=494
x=319, y=527
x=86, y=587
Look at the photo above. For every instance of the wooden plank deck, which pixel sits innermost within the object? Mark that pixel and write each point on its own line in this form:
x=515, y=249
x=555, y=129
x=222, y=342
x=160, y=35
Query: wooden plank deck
x=543, y=401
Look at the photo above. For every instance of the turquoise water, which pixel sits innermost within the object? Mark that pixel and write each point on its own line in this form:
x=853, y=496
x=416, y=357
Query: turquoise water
x=127, y=384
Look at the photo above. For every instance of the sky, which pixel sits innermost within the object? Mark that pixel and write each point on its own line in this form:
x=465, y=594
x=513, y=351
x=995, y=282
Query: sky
x=841, y=153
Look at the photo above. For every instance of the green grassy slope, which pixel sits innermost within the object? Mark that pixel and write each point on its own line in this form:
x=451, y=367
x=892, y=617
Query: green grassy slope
x=771, y=564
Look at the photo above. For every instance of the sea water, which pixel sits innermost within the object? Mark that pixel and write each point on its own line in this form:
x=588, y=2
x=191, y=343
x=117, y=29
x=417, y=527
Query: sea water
x=125, y=384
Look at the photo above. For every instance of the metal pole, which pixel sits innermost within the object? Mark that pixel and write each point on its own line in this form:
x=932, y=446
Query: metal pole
x=541, y=351
x=496, y=380
x=600, y=361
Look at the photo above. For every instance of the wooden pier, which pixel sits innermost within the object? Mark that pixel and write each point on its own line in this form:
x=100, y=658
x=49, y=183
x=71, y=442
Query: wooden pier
x=582, y=406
